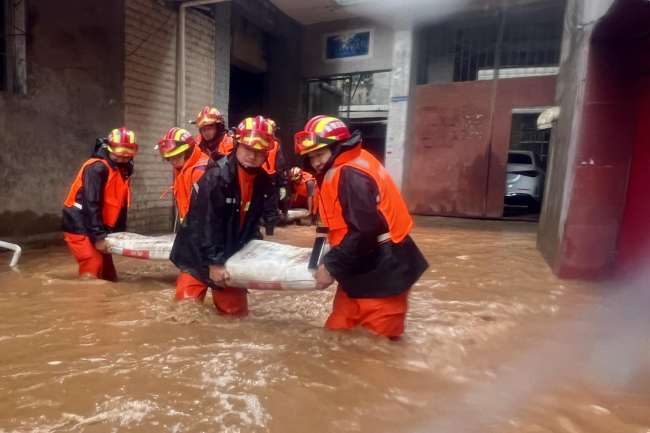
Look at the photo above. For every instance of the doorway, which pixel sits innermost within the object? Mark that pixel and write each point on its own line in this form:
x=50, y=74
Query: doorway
x=246, y=94
x=526, y=166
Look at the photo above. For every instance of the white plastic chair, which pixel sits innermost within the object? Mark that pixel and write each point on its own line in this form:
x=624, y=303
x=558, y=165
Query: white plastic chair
x=16, y=255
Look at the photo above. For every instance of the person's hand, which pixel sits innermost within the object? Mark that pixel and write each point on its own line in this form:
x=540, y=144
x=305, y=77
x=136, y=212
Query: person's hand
x=323, y=278
x=101, y=246
x=219, y=275
x=283, y=193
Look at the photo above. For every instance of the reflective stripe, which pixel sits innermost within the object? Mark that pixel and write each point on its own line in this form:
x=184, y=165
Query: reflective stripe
x=383, y=238
x=78, y=205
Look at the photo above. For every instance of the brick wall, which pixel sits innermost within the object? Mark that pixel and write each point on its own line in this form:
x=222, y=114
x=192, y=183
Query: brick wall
x=150, y=97
x=223, y=13
x=200, y=66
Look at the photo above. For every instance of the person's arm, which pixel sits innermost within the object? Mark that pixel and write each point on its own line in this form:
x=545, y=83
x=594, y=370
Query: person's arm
x=358, y=198
x=95, y=177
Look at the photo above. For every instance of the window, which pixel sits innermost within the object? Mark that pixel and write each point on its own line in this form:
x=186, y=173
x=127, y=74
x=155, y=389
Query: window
x=350, y=96
x=526, y=136
x=520, y=41
x=519, y=158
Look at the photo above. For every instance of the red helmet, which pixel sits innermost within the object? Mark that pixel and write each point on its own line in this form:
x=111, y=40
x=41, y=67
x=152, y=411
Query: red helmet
x=274, y=125
x=208, y=116
x=256, y=133
x=319, y=132
x=175, y=142
x=121, y=142
x=295, y=174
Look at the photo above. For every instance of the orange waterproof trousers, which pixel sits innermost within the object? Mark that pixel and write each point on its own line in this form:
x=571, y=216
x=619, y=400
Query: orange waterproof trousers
x=382, y=316
x=91, y=261
x=232, y=301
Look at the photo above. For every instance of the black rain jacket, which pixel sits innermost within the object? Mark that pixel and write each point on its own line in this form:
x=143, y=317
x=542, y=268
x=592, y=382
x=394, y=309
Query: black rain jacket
x=88, y=220
x=363, y=267
x=211, y=232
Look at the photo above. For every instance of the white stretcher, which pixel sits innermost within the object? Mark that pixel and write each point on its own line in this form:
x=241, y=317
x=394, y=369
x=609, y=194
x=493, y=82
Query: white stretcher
x=296, y=214
x=260, y=265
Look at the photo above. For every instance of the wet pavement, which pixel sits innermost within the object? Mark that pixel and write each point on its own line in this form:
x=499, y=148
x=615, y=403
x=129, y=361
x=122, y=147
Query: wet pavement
x=494, y=343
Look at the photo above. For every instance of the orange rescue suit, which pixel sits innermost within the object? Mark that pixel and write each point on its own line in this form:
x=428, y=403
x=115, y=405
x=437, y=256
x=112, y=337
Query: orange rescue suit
x=186, y=178
x=116, y=196
x=390, y=202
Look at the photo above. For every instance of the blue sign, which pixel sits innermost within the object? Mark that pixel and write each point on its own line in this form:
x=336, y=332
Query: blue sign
x=346, y=45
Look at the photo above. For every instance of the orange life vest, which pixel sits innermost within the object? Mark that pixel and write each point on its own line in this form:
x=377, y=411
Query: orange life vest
x=117, y=193
x=186, y=178
x=389, y=202
x=270, y=165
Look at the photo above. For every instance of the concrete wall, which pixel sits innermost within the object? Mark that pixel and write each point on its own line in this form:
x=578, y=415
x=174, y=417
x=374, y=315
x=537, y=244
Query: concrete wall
x=461, y=141
x=313, y=49
x=569, y=93
x=400, y=109
x=247, y=45
x=74, y=95
x=150, y=97
x=593, y=143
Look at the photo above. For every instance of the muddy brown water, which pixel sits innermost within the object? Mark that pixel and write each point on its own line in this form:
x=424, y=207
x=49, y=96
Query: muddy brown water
x=494, y=343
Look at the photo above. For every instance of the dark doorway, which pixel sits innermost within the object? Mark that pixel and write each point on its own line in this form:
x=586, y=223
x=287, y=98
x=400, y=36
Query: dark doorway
x=246, y=94
x=374, y=136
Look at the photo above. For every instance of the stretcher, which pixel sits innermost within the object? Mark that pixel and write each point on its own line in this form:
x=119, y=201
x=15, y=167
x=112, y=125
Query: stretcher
x=297, y=214
x=260, y=265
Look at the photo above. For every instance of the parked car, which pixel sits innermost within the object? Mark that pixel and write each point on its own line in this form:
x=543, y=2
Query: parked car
x=525, y=180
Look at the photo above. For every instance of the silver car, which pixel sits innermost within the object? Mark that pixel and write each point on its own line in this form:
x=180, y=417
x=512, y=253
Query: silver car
x=525, y=179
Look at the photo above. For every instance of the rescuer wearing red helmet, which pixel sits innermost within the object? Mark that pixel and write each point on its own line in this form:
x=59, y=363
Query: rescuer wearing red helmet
x=304, y=191
x=179, y=148
x=213, y=138
x=372, y=256
x=274, y=167
x=97, y=203
x=224, y=216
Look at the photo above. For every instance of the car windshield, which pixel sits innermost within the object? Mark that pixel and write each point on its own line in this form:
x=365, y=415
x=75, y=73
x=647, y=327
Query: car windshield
x=519, y=158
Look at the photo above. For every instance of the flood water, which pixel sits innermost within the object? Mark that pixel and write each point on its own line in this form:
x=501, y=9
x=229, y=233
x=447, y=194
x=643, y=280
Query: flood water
x=494, y=343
